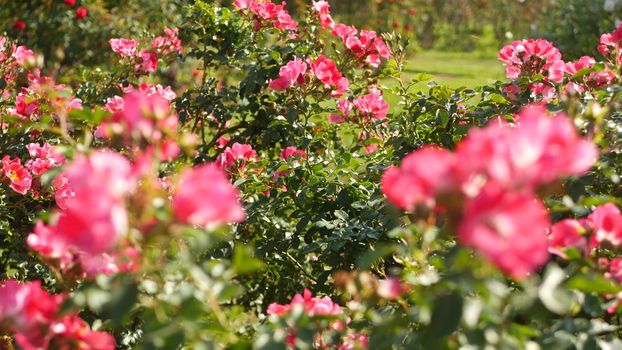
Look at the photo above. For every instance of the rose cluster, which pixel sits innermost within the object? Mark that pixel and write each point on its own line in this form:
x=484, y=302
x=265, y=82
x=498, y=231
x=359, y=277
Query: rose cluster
x=146, y=60
x=488, y=185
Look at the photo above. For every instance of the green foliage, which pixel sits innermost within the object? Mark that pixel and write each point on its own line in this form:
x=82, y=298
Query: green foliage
x=319, y=220
x=575, y=26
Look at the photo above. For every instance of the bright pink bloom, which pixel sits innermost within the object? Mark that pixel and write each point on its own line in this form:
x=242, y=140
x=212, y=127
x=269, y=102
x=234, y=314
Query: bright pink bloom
x=222, y=142
x=606, y=221
x=344, y=32
x=26, y=309
x=206, y=197
x=313, y=306
x=168, y=43
x=615, y=270
x=368, y=46
x=141, y=112
x=235, y=153
x=32, y=315
x=422, y=175
x=572, y=68
x=23, y=56
x=47, y=242
x=327, y=72
x=243, y=4
x=568, y=233
x=345, y=107
x=81, y=13
x=94, y=222
x=70, y=3
x=74, y=103
x=166, y=93
x=63, y=193
x=23, y=305
x=278, y=309
x=611, y=46
x=543, y=92
x=372, y=48
x=124, y=47
x=148, y=62
x=369, y=149
x=115, y=104
x=20, y=178
x=292, y=152
x=268, y=12
x=354, y=341
x=284, y=20
x=94, y=218
x=322, y=9
x=371, y=106
x=592, y=80
x=508, y=228
x=26, y=105
x=265, y=9
x=342, y=87
x=104, y=172
x=290, y=74
x=539, y=150
x=612, y=38
x=532, y=57
x=44, y=157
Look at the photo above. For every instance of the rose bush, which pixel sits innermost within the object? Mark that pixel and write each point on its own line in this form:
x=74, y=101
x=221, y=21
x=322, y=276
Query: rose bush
x=241, y=180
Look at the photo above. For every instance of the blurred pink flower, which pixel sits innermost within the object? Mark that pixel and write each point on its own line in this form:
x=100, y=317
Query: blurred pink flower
x=421, y=176
x=508, y=228
x=204, y=197
x=391, y=288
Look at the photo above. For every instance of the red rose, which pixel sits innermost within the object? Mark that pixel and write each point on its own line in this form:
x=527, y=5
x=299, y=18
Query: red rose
x=81, y=12
x=19, y=25
x=70, y=3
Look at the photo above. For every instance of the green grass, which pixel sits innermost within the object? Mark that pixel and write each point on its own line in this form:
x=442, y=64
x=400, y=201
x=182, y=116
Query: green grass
x=454, y=69
x=457, y=69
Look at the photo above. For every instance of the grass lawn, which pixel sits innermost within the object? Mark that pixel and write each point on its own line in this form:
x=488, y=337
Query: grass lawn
x=455, y=69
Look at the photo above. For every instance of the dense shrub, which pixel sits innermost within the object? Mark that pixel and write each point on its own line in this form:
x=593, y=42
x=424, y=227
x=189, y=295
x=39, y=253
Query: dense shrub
x=575, y=25
x=239, y=181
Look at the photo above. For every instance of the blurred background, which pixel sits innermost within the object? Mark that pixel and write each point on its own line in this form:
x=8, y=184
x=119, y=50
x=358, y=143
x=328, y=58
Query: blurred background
x=455, y=40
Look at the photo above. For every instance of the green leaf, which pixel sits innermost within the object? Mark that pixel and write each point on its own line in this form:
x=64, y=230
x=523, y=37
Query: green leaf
x=446, y=315
x=372, y=256
x=244, y=260
x=497, y=98
x=593, y=284
x=442, y=117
